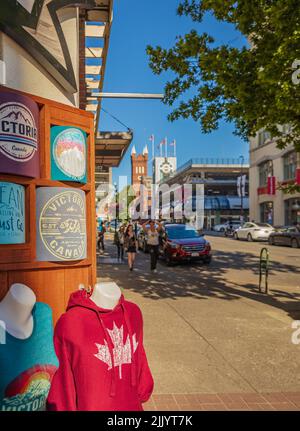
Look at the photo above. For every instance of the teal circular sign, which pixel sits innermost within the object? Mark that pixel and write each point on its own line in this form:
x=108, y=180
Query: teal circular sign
x=69, y=152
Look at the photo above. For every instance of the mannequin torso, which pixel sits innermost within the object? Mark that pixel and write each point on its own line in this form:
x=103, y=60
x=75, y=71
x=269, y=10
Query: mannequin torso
x=16, y=311
x=106, y=295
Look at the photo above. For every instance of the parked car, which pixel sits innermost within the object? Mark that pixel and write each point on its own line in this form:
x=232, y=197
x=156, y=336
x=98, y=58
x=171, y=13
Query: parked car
x=286, y=235
x=254, y=231
x=223, y=227
x=181, y=243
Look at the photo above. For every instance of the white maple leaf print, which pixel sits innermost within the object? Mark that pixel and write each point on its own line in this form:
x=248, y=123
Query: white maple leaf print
x=122, y=352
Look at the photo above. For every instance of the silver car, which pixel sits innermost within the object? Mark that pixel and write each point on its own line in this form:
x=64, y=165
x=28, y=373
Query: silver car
x=254, y=231
x=225, y=226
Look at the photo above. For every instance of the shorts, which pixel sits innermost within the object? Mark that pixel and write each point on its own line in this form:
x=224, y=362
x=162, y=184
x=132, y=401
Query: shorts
x=131, y=249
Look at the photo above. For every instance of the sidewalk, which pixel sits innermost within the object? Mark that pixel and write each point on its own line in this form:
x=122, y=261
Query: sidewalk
x=210, y=345
x=224, y=402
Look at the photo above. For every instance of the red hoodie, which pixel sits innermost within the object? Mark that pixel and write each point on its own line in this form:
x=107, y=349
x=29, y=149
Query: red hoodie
x=97, y=370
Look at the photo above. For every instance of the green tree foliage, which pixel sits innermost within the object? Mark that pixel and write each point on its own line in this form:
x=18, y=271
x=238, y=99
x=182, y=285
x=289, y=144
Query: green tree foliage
x=251, y=86
x=124, y=199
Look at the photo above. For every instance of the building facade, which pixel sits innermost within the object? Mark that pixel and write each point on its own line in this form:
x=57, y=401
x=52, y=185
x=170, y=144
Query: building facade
x=139, y=165
x=270, y=168
x=60, y=52
x=219, y=181
x=52, y=67
x=141, y=184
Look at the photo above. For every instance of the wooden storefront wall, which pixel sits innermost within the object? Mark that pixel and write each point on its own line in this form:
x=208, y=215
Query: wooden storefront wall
x=52, y=282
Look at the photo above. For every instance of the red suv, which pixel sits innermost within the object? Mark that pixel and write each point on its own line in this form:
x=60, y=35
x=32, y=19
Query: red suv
x=181, y=242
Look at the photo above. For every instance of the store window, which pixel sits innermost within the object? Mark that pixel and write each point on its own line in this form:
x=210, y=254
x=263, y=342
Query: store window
x=265, y=171
x=267, y=212
x=292, y=211
x=290, y=166
x=263, y=137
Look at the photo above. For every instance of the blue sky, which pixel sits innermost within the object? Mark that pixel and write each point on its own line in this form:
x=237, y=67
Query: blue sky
x=136, y=24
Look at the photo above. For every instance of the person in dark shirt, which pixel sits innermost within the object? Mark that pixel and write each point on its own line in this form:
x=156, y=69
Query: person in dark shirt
x=130, y=243
x=101, y=232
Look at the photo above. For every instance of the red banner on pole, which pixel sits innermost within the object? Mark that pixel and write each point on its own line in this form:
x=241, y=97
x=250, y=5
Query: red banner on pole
x=271, y=185
x=298, y=176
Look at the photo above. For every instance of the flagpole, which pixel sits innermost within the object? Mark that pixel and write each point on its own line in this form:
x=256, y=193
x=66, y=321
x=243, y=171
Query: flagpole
x=153, y=154
x=175, y=147
x=166, y=147
x=153, y=148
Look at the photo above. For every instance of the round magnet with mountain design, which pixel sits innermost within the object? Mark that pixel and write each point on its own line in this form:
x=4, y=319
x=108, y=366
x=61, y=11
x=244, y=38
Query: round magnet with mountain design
x=68, y=154
x=19, y=135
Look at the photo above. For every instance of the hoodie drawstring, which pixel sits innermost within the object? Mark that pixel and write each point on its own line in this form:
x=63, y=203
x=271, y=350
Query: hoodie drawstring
x=133, y=363
x=111, y=352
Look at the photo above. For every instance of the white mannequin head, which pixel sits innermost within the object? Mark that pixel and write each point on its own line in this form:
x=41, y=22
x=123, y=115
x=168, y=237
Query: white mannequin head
x=106, y=295
x=16, y=310
x=22, y=294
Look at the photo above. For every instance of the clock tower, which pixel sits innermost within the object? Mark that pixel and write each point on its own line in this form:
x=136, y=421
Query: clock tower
x=139, y=165
x=163, y=168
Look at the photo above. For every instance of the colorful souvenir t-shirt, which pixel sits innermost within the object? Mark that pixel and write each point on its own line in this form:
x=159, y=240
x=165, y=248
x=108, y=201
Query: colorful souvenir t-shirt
x=27, y=366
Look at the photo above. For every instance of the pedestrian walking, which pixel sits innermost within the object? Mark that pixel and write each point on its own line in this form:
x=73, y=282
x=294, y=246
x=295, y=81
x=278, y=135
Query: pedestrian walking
x=130, y=244
x=152, y=235
x=119, y=242
x=101, y=232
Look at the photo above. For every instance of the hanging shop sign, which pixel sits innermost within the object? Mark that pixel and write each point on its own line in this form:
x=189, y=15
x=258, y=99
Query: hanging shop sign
x=68, y=154
x=19, y=137
x=12, y=213
x=61, y=224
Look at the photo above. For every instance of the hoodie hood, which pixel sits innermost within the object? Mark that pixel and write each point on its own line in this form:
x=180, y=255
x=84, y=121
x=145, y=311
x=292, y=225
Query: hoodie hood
x=83, y=299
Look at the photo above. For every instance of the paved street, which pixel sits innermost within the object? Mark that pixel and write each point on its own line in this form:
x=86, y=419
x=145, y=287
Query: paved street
x=213, y=341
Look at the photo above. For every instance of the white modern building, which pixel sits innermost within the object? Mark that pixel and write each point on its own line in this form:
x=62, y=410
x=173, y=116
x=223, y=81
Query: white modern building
x=221, y=192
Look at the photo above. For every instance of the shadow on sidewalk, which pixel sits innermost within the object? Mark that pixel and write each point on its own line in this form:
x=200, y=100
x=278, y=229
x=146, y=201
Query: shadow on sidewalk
x=199, y=281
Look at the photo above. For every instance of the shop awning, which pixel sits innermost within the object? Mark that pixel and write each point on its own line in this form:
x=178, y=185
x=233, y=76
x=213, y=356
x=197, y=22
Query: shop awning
x=111, y=147
x=98, y=21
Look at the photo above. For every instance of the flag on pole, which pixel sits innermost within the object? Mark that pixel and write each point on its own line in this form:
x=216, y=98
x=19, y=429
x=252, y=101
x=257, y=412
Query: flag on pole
x=160, y=145
x=151, y=139
x=241, y=185
x=166, y=147
x=271, y=185
x=173, y=144
x=238, y=184
x=163, y=142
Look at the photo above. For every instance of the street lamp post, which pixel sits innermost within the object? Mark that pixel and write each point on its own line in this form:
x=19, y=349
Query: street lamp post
x=116, y=199
x=241, y=189
x=142, y=197
x=127, y=204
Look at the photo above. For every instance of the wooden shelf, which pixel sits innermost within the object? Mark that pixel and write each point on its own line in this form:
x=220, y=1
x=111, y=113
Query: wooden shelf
x=51, y=281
